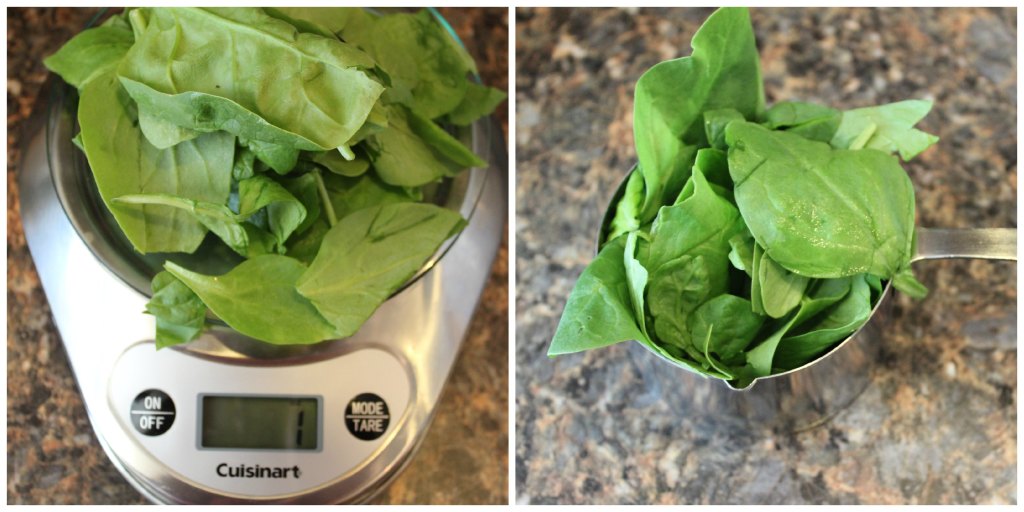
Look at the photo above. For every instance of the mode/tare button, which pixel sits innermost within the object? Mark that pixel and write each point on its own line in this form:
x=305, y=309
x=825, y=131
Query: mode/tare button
x=152, y=412
x=367, y=416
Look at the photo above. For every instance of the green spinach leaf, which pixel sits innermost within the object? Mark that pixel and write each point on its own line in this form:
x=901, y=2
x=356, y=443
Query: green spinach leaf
x=244, y=238
x=818, y=211
x=123, y=162
x=258, y=298
x=724, y=326
x=323, y=21
x=627, y=210
x=814, y=122
x=369, y=254
x=781, y=290
x=94, y=52
x=671, y=97
x=599, y=311
x=426, y=67
x=315, y=96
x=334, y=162
x=636, y=279
x=677, y=288
x=180, y=314
x=835, y=324
x=398, y=145
x=887, y=128
x=285, y=213
x=478, y=102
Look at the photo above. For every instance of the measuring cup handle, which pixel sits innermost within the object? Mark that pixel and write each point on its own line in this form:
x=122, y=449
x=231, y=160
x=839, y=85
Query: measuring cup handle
x=986, y=243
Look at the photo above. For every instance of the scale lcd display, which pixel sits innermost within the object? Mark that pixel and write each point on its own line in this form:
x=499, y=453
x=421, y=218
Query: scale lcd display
x=260, y=422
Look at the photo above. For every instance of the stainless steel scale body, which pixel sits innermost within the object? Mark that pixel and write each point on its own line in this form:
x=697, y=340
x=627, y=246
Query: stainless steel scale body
x=403, y=354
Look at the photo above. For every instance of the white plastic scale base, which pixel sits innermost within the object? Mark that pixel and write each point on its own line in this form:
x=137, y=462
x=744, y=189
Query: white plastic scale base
x=402, y=356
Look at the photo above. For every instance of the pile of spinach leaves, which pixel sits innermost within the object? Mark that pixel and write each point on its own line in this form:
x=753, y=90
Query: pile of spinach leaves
x=748, y=241
x=302, y=138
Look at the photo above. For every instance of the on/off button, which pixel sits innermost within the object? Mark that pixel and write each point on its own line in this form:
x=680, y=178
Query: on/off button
x=152, y=412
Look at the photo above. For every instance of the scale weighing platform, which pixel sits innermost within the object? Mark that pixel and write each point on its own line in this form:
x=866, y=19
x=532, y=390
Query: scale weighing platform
x=227, y=420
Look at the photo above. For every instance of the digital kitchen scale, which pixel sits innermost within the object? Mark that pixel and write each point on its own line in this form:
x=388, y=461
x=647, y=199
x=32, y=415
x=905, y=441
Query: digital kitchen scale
x=226, y=419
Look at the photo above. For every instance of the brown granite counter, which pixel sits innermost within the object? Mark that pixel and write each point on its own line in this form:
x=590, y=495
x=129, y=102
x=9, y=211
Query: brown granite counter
x=938, y=422
x=52, y=454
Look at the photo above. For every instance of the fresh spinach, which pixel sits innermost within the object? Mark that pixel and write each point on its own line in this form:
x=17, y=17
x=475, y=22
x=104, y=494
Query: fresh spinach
x=819, y=211
x=125, y=163
x=180, y=313
x=886, y=127
x=93, y=52
x=747, y=241
x=308, y=140
x=368, y=255
x=601, y=313
x=259, y=298
x=671, y=97
x=814, y=122
x=317, y=92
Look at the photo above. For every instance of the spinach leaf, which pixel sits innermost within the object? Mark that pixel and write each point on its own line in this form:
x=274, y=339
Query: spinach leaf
x=724, y=326
x=888, y=128
x=479, y=101
x=347, y=195
x=818, y=211
x=285, y=213
x=627, y=210
x=258, y=298
x=244, y=238
x=245, y=164
x=315, y=96
x=306, y=244
x=180, y=314
x=759, y=358
x=323, y=21
x=442, y=142
x=714, y=166
x=668, y=125
x=304, y=188
x=905, y=282
x=741, y=252
x=397, y=145
x=715, y=122
x=821, y=293
x=835, y=324
x=756, y=295
x=689, y=252
x=814, y=122
x=599, y=311
x=781, y=290
x=92, y=53
x=279, y=157
x=369, y=254
x=162, y=134
x=636, y=279
x=123, y=162
x=426, y=67
x=334, y=162
x=678, y=287
x=700, y=225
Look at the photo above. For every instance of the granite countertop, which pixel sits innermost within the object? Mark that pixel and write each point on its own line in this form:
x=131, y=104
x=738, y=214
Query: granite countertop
x=938, y=421
x=52, y=453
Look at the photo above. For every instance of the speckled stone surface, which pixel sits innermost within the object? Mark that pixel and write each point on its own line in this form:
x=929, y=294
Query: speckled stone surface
x=936, y=424
x=52, y=454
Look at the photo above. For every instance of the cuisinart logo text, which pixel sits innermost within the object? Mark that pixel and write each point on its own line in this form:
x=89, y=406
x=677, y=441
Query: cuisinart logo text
x=257, y=471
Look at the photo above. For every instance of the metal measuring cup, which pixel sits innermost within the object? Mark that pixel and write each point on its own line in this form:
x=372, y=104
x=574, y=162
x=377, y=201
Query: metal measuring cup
x=810, y=395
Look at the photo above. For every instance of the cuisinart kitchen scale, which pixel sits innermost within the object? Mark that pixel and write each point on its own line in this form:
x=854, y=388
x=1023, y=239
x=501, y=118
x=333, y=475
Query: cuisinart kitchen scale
x=226, y=419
